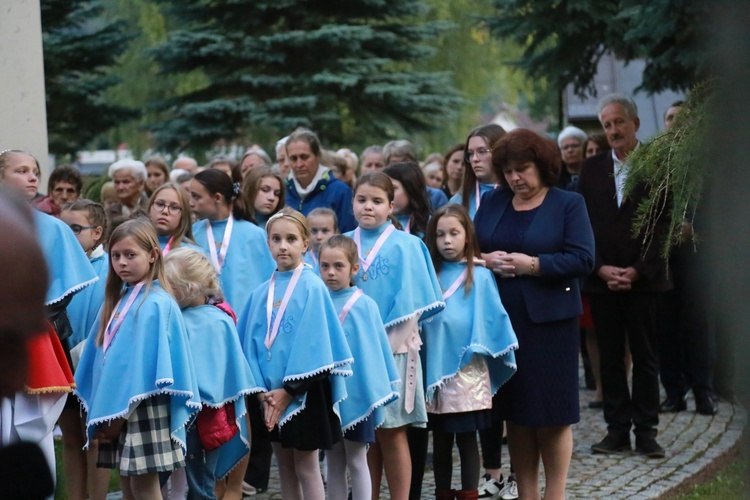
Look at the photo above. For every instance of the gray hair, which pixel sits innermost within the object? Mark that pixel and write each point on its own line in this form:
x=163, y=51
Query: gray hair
x=260, y=154
x=626, y=102
x=574, y=132
x=400, y=147
x=281, y=144
x=137, y=169
x=177, y=174
x=377, y=150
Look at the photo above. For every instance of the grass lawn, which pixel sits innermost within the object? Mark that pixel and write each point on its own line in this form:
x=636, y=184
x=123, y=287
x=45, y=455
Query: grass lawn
x=60, y=492
x=730, y=482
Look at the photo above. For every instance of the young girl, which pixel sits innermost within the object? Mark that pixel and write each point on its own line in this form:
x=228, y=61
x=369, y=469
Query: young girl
x=236, y=247
x=89, y=224
x=298, y=352
x=169, y=210
x=375, y=379
x=264, y=194
x=135, y=379
x=479, y=176
x=395, y=271
x=468, y=350
x=323, y=225
x=214, y=343
x=411, y=204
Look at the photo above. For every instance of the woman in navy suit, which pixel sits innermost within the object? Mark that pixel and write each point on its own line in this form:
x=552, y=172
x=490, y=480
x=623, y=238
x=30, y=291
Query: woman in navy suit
x=537, y=239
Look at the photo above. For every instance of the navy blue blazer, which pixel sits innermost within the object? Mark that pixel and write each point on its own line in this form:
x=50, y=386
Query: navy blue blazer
x=560, y=236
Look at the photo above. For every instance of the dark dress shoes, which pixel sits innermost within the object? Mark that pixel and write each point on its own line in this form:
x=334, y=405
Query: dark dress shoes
x=673, y=404
x=649, y=447
x=612, y=443
x=705, y=404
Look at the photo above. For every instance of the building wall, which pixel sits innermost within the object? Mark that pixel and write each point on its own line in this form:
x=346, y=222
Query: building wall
x=23, y=116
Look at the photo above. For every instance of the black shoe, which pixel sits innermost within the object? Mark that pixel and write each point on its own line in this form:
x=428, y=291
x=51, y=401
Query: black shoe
x=705, y=404
x=649, y=447
x=596, y=405
x=612, y=443
x=673, y=405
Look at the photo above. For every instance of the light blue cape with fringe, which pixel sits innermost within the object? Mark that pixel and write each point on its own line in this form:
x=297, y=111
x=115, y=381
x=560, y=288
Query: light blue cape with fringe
x=248, y=262
x=69, y=268
x=401, y=279
x=310, y=339
x=85, y=305
x=149, y=355
x=224, y=377
x=470, y=324
x=483, y=188
x=376, y=380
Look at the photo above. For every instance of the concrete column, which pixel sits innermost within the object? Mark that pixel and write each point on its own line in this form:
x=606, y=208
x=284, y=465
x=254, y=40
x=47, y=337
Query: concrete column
x=23, y=112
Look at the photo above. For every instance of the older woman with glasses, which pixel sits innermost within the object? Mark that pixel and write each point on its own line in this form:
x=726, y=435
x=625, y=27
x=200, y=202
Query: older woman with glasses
x=571, y=141
x=479, y=177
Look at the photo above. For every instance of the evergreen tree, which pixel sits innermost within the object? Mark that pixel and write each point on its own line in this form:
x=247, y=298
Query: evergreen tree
x=345, y=68
x=79, y=47
x=564, y=40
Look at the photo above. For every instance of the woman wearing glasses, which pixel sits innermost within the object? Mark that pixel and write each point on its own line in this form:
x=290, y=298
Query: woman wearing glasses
x=479, y=177
x=571, y=141
x=169, y=210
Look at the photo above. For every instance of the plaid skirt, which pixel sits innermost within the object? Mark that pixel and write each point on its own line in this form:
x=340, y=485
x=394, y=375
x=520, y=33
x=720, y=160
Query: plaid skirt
x=145, y=444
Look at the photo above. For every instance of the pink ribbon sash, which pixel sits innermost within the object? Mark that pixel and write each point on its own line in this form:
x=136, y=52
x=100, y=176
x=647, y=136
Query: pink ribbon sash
x=111, y=330
x=218, y=260
x=366, y=263
x=456, y=285
x=273, y=331
x=349, y=304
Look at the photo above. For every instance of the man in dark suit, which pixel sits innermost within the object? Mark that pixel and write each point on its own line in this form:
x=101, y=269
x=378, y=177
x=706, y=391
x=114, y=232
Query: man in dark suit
x=625, y=287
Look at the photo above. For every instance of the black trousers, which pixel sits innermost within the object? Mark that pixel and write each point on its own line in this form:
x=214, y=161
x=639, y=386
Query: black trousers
x=259, y=466
x=631, y=315
x=687, y=342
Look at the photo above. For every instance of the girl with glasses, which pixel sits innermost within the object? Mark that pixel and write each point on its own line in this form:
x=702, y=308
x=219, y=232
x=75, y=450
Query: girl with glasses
x=169, y=210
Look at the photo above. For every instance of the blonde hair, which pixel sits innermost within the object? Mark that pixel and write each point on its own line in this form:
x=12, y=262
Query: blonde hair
x=144, y=235
x=191, y=276
x=293, y=215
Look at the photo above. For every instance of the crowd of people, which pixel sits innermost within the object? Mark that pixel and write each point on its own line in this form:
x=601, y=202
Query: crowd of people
x=204, y=319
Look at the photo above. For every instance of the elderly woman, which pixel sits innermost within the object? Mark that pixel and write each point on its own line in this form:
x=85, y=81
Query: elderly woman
x=312, y=184
x=252, y=159
x=572, y=141
x=537, y=239
x=129, y=177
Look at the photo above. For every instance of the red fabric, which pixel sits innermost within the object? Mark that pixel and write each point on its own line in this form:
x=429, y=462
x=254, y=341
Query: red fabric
x=47, y=206
x=227, y=309
x=49, y=370
x=216, y=426
x=586, y=320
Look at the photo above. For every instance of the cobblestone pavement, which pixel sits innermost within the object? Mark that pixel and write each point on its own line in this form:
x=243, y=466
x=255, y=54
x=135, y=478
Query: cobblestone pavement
x=692, y=442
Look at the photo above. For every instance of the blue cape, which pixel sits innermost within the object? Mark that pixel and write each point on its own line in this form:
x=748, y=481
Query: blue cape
x=149, y=355
x=308, y=259
x=248, y=262
x=85, y=305
x=483, y=188
x=469, y=325
x=69, y=268
x=375, y=381
x=310, y=339
x=163, y=240
x=223, y=375
x=401, y=280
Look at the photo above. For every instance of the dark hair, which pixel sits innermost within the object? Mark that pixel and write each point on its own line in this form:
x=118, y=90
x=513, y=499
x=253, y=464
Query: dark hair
x=307, y=136
x=216, y=181
x=250, y=189
x=325, y=212
x=345, y=243
x=599, y=139
x=380, y=181
x=66, y=173
x=522, y=145
x=95, y=214
x=411, y=178
x=471, y=248
x=491, y=134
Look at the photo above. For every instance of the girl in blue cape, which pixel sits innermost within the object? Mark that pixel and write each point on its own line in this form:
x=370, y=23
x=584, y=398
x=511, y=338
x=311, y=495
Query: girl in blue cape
x=397, y=273
x=88, y=222
x=224, y=377
x=468, y=350
x=265, y=194
x=323, y=225
x=169, y=210
x=298, y=352
x=375, y=380
x=237, y=248
x=479, y=176
x=411, y=203
x=135, y=379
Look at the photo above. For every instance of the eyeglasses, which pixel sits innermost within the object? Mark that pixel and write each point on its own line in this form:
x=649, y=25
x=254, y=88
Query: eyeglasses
x=571, y=146
x=480, y=153
x=77, y=228
x=172, y=209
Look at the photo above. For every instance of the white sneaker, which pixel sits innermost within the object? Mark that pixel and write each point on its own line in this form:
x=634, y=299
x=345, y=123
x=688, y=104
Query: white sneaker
x=510, y=492
x=490, y=488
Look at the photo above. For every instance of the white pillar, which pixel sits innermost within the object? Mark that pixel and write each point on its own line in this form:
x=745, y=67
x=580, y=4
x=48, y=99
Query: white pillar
x=23, y=113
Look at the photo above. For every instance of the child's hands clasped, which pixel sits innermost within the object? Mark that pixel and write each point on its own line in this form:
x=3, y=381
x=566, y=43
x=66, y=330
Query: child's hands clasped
x=274, y=404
